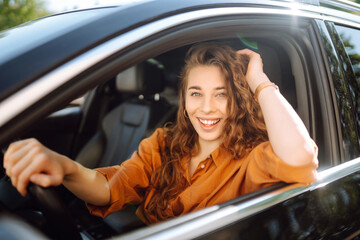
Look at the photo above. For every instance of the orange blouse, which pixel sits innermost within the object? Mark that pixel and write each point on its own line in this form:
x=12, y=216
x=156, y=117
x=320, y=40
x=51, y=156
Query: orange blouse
x=217, y=178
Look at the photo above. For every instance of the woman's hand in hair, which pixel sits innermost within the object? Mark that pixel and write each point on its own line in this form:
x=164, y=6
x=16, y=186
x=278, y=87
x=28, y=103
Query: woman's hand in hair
x=254, y=74
x=287, y=133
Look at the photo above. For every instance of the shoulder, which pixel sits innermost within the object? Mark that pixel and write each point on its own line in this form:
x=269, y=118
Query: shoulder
x=155, y=141
x=263, y=151
x=262, y=154
x=158, y=136
x=261, y=147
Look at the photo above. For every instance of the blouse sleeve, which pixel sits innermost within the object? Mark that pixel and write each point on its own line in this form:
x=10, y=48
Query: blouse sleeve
x=264, y=168
x=129, y=181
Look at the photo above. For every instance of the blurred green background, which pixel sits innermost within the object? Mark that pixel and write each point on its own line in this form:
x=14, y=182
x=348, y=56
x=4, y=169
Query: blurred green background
x=15, y=12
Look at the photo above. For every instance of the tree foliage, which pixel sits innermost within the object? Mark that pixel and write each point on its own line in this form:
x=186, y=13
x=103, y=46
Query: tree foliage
x=15, y=12
x=351, y=50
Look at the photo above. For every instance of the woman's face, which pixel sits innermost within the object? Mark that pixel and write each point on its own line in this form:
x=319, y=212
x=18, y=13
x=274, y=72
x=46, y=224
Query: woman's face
x=206, y=102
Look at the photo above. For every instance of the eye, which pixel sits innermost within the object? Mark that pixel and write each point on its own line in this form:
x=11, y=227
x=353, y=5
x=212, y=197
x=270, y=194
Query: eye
x=195, y=94
x=221, y=95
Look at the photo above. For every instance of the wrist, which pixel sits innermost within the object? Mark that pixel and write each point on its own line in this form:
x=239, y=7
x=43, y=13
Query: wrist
x=259, y=79
x=69, y=166
x=262, y=86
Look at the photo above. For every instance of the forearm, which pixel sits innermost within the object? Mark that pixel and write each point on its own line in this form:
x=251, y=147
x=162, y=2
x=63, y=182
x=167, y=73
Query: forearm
x=287, y=133
x=88, y=185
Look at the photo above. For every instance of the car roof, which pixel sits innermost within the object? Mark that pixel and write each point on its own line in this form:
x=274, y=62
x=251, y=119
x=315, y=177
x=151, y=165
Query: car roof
x=37, y=47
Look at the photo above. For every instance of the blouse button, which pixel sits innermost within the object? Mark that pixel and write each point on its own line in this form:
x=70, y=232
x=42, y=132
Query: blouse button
x=203, y=166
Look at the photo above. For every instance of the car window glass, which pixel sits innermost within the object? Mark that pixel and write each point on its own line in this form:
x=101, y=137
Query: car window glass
x=350, y=38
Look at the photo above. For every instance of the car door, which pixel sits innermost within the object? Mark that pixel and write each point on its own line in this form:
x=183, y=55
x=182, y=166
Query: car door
x=326, y=209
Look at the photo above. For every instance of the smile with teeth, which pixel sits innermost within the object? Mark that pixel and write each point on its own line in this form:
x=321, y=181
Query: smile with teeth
x=209, y=122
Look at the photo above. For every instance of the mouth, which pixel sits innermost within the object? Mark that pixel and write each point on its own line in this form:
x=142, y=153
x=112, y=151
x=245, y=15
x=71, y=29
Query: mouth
x=209, y=123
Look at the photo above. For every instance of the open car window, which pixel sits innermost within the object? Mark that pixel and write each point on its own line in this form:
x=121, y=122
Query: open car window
x=115, y=116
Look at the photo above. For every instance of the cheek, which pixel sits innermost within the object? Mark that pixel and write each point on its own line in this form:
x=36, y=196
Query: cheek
x=190, y=106
x=226, y=110
x=223, y=106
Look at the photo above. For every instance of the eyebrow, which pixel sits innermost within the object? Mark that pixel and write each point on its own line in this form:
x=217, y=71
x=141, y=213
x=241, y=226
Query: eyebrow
x=199, y=88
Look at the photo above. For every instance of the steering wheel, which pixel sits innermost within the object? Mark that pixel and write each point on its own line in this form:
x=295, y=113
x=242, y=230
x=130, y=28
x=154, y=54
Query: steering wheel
x=55, y=212
x=52, y=206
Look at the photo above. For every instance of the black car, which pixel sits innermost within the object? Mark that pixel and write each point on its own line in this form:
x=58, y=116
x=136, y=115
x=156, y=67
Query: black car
x=92, y=83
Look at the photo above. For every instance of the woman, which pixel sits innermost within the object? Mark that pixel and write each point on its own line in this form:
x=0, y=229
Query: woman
x=218, y=149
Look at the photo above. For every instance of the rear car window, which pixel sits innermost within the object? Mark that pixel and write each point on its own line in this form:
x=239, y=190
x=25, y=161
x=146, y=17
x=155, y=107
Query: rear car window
x=350, y=38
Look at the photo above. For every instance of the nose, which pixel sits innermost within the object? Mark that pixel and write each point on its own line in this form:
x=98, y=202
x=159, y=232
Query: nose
x=208, y=105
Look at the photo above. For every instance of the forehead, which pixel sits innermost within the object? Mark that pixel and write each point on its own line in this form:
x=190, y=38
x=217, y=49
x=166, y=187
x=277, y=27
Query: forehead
x=206, y=77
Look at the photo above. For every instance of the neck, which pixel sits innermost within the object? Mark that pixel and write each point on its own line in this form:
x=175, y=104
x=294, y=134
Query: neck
x=207, y=147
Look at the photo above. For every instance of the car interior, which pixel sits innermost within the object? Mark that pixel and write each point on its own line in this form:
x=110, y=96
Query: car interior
x=106, y=127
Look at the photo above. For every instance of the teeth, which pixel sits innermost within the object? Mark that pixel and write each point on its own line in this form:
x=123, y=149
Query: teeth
x=209, y=122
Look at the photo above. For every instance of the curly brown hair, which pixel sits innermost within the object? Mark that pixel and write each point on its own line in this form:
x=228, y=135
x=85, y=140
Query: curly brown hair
x=244, y=127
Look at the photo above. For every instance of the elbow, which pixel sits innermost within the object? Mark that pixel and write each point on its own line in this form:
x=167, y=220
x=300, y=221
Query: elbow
x=302, y=163
x=301, y=154
x=309, y=153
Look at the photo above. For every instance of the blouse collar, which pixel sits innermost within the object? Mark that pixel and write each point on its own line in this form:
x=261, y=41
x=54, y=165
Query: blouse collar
x=220, y=156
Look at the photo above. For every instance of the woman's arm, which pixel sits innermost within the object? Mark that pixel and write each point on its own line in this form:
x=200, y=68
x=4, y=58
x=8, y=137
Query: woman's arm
x=287, y=133
x=29, y=161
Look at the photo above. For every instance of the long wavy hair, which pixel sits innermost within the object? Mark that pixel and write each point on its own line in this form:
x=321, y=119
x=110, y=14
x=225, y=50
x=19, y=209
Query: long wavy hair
x=244, y=127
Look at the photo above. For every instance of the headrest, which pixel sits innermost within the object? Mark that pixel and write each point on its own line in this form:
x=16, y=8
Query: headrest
x=146, y=78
